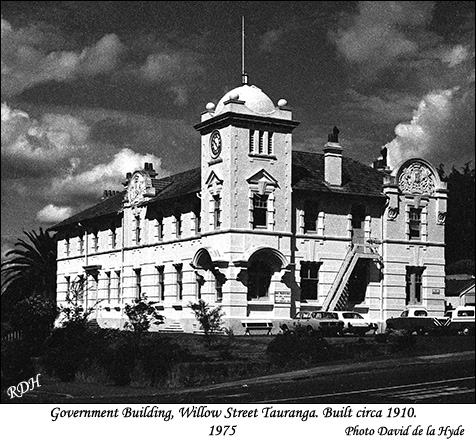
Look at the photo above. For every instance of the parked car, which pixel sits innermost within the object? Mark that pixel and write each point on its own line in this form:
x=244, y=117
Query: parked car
x=326, y=323
x=461, y=320
x=417, y=320
x=355, y=323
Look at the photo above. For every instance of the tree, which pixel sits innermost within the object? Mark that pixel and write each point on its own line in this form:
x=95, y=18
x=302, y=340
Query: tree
x=30, y=269
x=210, y=319
x=141, y=315
x=460, y=219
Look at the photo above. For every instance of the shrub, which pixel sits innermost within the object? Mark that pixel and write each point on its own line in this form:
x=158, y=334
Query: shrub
x=141, y=315
x=16, y=363
x=119, y=357
x=157, y=356
x=33, y=317
x=66, y=349
x=294, y=348
x=210, y=319
x=400, y=340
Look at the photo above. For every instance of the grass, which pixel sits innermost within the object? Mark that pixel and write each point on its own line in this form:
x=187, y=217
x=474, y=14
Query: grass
x=243, y=351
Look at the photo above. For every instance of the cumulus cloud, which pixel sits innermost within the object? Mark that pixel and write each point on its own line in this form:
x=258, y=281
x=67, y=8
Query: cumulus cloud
x=442, y=129
x=88, y=185
x=51, y=214
x=455, y=55
x=374, y=37
x=27, y=59
x=32, y=143
x=175, y=69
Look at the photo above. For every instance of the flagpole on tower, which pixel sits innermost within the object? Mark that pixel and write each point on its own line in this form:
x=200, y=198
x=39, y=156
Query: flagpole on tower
x=244, y=76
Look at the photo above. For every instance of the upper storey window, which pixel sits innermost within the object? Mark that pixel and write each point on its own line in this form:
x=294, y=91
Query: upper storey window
x=260, y=211
x=415, y=223
x=261, y=143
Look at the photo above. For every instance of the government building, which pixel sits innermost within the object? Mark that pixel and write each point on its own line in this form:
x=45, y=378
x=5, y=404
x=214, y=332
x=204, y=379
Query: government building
x=261, y=230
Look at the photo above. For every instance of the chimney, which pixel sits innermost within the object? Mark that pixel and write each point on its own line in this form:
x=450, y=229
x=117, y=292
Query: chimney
x=149, y=168
x=333, y=159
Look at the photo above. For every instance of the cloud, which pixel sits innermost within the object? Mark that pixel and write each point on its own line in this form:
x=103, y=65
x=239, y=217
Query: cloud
x=271, y=39
x=441, y=130
x=174, y=69
x=51, y=214
x=87, y=186
x=387, y=107
x=27, y=58
x=375, y=39
x=32, y=144
x=455, y=55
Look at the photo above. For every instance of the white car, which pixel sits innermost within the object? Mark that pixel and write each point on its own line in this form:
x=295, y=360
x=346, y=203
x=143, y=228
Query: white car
x=355, y=323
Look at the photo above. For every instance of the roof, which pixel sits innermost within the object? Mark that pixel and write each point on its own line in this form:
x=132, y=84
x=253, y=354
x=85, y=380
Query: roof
x=307, y=175
x=357, y=178
x=108, y=206
x=255, y=99
x=456, y=287
x=172, y=186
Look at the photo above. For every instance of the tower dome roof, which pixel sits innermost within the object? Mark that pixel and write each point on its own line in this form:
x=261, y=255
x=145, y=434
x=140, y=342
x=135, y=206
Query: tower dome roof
x=255, y=99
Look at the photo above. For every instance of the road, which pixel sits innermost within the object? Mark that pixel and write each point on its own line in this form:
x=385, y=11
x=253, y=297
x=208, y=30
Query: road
x=447, y=378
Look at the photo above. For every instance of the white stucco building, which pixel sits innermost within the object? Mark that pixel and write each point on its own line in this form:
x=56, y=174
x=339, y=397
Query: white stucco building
x=260, y=229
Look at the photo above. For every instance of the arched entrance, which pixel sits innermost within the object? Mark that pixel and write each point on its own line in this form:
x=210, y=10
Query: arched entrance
x=261, y=263
x=206, y=263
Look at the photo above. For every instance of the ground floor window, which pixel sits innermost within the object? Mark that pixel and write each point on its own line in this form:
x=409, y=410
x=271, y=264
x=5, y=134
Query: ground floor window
x=414, y=284
x=259, y=279
x=309, y=274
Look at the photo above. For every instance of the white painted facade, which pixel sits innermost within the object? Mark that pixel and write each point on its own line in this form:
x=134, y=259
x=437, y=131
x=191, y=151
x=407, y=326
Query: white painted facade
x=263, y=232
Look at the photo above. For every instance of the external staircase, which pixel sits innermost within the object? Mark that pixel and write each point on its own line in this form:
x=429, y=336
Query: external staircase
x=338, y=294
x=170, y=326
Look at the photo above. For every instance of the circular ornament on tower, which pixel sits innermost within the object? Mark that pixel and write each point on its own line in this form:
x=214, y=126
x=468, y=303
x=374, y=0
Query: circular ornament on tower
x=215, y=144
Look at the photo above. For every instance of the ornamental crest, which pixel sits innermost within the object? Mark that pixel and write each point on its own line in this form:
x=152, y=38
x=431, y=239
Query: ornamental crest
x=417, y=178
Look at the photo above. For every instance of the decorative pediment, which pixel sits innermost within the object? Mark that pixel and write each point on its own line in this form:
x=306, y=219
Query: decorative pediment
x=416, y=178
x=140, y=188
x=214, y=183
x=262, y=180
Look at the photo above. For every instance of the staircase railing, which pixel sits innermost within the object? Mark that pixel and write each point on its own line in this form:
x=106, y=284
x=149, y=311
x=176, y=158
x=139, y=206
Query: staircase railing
x=341, y=279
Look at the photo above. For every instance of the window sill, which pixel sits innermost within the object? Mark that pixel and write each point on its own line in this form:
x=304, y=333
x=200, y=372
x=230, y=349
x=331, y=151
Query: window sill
x=262, y=156
x=178, y=305
x=260, y=302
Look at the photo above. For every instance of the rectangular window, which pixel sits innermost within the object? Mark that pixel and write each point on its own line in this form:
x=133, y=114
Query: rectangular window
x=160, y=283
x=159, y=225
x=260, y=211
x=118, y=285
x=178, y=225
x=68, y=284
x=252, y=141
x=137, y=230
x=309, y=274
x=270, y=143
x=81, y=244
x=198, y=221
x=415, y=223
x=414, y=284
x=138, y=283
x=311, y=213
x=261, y=143
x=199, y=282
x=216, y=212
x=67, y=246
x=108, y=286
x=179, y=281
x=95, y=241
x=219, y=288
x=113, y=237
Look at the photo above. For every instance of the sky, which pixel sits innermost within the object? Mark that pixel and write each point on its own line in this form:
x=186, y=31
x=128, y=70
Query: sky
x=93, y=90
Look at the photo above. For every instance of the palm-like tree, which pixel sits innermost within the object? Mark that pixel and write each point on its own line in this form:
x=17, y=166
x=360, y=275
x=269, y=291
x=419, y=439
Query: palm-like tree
x=30, y=268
